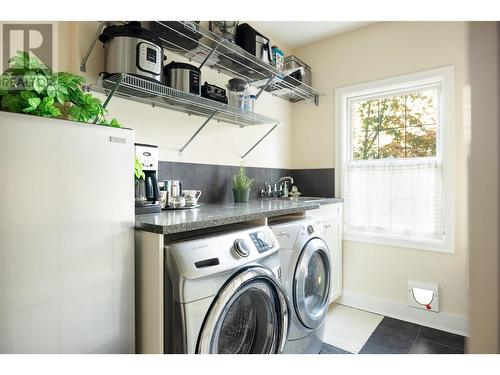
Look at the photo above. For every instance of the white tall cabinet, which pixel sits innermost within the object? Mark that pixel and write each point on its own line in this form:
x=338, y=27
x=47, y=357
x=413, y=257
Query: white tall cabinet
x=66, y=237
x=330, y=217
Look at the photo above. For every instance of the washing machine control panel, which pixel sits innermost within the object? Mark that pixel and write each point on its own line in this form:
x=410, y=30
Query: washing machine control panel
x=261, y=241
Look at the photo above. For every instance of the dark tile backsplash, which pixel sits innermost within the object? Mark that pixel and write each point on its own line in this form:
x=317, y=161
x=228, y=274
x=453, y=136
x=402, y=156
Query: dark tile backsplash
x=315, y=182
x=215, y=180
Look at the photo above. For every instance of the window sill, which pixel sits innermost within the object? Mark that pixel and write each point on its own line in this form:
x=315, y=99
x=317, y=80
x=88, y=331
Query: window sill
x=398, y=241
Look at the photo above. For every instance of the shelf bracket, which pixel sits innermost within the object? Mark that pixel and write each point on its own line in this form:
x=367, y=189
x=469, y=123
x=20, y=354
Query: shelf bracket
x=260, y=140
x=209, y=54
x=197, y=132
x=316, y=100
x=83, y=64
x=111, y=93
x=113, y=90
x=264, y=87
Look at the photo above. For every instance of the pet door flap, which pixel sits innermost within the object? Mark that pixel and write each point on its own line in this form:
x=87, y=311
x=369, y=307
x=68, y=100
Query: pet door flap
x=423, y=296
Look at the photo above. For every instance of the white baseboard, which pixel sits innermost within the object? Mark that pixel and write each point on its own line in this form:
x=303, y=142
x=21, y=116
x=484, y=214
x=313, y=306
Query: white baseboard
x=445, y=322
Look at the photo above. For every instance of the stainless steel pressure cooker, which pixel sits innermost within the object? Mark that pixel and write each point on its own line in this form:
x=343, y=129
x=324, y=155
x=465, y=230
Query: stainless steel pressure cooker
x=183, y=77
x=134, y=50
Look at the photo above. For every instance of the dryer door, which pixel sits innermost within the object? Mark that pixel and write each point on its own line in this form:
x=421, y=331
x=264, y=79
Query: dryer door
x=248, y=316
x=311, y=284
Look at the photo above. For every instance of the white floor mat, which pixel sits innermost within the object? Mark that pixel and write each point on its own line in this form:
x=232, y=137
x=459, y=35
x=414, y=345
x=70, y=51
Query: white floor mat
x=348, y=328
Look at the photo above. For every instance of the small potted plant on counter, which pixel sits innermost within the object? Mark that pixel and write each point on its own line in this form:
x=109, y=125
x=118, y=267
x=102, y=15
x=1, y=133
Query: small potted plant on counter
x=241, y=186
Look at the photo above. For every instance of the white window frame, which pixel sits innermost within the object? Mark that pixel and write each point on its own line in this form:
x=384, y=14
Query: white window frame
x=445, y=76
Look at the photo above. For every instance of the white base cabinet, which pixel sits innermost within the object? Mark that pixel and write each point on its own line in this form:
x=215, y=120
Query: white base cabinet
x=330, y=217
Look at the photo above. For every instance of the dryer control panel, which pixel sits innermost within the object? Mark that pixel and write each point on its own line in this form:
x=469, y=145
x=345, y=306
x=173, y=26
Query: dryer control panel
x=261, y=241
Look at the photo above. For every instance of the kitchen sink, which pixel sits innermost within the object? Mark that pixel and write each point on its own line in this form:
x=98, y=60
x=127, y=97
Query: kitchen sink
x=299, y=199
x=304, y=199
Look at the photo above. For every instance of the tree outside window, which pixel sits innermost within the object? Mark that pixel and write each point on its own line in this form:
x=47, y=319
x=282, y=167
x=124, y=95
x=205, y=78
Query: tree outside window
x=397, y=126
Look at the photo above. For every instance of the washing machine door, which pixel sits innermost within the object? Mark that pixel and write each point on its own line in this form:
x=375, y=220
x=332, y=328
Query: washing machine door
x=248, y=316
x=311, y=284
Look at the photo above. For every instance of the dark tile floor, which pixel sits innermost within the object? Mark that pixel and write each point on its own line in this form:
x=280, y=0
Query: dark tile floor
x=329, y=349
x=393, y=336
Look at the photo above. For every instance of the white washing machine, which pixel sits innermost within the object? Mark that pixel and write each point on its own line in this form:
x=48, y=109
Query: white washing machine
x=223, y=293
x=306, y=275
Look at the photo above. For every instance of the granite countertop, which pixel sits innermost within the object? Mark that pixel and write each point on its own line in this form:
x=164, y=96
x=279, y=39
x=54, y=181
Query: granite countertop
x=211, y=215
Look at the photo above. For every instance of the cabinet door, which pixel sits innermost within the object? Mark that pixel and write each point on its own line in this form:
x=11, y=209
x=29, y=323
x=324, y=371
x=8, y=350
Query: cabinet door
x=332, y=236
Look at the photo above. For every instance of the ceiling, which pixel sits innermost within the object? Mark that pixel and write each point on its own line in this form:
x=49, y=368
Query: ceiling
x=296, y=34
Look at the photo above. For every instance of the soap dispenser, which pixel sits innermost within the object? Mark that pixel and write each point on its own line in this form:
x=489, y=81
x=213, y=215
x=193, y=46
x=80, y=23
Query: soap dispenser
x=285, y=190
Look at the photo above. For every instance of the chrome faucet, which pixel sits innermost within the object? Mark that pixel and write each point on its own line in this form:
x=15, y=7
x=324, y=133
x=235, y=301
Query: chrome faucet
x=278, y=187
x=280, y=181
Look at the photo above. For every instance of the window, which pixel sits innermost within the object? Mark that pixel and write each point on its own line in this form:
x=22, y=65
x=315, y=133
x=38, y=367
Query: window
x=394, y=160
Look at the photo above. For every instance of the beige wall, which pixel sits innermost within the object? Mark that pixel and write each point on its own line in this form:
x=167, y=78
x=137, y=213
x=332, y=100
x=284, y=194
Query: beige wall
x=380, y=51
x=218, y=143
x=484, y=189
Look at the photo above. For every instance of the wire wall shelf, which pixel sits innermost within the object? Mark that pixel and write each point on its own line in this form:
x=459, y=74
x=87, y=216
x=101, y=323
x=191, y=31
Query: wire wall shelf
x=199, y=44
x=141, y=90
x=158, y=95
x=196, y=43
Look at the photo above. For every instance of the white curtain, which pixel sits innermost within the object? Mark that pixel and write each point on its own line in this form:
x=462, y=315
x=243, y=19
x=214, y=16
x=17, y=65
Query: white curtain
x=395, y=196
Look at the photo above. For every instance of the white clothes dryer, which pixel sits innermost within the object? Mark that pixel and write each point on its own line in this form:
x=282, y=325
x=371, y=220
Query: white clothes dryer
x=306, y=275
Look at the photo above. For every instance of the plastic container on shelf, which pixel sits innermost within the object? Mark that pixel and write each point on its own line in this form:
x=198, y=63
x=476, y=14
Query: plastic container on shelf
x=251, y=103
x=238, y=93
x=278, y=58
